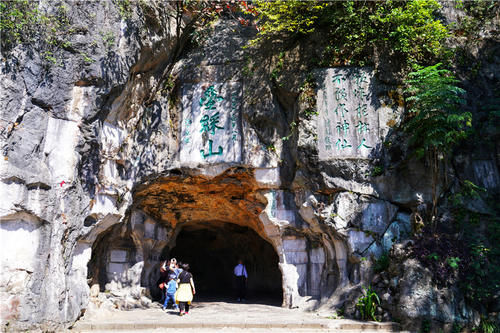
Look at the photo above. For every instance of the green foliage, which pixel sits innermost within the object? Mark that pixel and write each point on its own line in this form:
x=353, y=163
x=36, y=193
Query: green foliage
x=367, y=304
x=480, y=262
x=338, y=314
x=293, y=128
x=426, y=326
x=382, y=263
x=436, y=122
x=108, y=39
x=453, y=262
x=457, y=328
x=433, y=256
x=377, y=171
x=169, y=84
x=354, y=27
x=88, y=60
x=478, y=13
x=48, y=55
x=412, y=29
x=21, y=22
x=488, y=326
x=275, y=73
x=482, y=276
x=308, y=96
x=288, y=16
x=468, y=191
x=124, y=9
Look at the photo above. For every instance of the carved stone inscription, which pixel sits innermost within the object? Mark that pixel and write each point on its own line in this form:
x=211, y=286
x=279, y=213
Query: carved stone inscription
x=348, y=124
x=211, y=124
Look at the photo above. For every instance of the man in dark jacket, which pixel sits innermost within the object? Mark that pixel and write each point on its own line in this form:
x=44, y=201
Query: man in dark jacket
x=240, y=271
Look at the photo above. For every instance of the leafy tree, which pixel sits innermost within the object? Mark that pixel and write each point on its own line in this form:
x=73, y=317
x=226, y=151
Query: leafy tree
x=288, y=16
x=354, y=27
x=436, y=123
x=412, y=29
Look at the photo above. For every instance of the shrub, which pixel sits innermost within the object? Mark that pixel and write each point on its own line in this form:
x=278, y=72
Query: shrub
x=367, y=304
x=382, y=263
x=21, y=22
x=353, y=27
x=435, y=121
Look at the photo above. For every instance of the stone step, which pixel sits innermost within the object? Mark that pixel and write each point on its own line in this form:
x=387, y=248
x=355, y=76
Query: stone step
x=326, y=326
x=360, y=326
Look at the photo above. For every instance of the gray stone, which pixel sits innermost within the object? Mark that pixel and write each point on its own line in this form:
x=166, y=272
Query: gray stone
x=296, y=257
x=404, y=222
x=317, y=256
x=374, y=250
x=294, y=244
x=359, y=241
x=268, y=177
x=419, y=299
x=416, y=188
x=346, y=209
x=377, y=215
x=387, y=298
x=118, y=256
x=486, y=173
x=396, y=232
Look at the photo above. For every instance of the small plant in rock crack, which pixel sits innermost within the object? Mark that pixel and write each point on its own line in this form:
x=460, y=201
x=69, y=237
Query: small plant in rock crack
x=488, y=326
x=433, y=256
x=382, y=263
x=367, y=304
x=453, y=262
x=377, y=171
x=426, y=326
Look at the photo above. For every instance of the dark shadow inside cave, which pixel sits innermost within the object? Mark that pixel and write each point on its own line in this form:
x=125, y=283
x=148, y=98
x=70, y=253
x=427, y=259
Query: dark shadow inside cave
x=212, y=250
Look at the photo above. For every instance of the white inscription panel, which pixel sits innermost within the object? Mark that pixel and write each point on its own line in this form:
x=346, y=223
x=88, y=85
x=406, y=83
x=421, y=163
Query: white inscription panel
x=211, y=124
x=348, y=124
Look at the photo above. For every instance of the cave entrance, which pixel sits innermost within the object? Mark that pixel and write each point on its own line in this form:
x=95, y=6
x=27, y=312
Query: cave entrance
x=212, y=250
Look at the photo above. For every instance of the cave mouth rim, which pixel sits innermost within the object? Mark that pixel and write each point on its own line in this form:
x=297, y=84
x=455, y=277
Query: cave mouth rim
x=184, y=194
x=208, y=224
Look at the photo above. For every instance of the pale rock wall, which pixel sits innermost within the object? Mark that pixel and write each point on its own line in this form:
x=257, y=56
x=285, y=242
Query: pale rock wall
x=51, y=130
x=80, y=144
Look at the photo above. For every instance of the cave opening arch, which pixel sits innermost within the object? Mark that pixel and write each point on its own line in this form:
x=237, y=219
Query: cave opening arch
x=206, y=221
x=212, y=248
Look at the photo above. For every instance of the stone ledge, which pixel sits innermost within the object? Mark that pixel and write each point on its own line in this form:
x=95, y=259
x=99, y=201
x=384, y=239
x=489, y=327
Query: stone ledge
x=360, y=326
x=320, y=325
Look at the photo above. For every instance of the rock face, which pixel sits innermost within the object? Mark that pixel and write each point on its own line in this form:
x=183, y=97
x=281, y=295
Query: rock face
x=110, y=166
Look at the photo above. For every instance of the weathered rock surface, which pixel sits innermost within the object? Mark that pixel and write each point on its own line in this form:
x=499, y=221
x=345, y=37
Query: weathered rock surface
x=106, y=162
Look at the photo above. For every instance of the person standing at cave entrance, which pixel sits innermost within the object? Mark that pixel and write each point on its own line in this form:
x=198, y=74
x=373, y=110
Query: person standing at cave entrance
x=184, y=294
x=177, y=269
x=240, y=271
x=171, y=288
x=163, y=279
x=170, y=267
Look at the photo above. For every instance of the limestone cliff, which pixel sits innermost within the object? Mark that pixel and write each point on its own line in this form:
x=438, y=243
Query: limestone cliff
x=147, y=126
